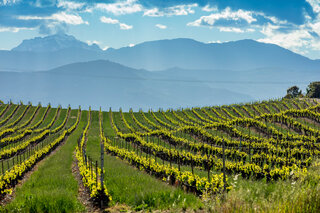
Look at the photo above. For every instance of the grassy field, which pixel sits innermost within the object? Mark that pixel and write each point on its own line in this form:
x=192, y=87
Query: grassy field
x=52, y=187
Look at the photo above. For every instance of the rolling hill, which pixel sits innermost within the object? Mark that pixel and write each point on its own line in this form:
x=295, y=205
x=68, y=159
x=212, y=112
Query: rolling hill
x=108, y=84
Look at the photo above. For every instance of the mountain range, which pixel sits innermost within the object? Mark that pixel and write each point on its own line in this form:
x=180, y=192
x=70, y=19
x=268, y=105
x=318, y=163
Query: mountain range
x=191, y=54
x=167, y=73
x=60, y=49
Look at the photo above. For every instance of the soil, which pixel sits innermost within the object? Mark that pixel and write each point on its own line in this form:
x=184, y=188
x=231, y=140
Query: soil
x=83, y=193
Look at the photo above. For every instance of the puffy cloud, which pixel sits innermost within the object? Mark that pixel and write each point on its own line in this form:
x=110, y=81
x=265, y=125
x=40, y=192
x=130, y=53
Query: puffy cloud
x=207, y=8
x=68, y=18
x=315, y=4
x=122, y=26
x=125, y=26
x=226, y=17
x=298, y=38
x=7, y=2
x=239, y=21
x=235, y=30
x=70, y=5
x=46, y=15
x=60, y=17
x=120, y=7
x=292, y=11
x=293, y=40
x=14, y=29
x=296, y=12
x=177, y=10
x=109, y=20
x=161, y=26
x=52, y=27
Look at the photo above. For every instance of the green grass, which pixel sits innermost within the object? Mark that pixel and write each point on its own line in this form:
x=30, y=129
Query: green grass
x=299, y=195
x=16, y=115
x=52, y=188
x=60, y=119
x=134, y=188
x=7, y=113
x=37, y=117
x=26, y=116
x=48, y=118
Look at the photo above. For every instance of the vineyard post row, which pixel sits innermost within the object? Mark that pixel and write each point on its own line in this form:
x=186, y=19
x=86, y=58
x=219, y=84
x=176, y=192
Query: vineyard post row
x=92, y=175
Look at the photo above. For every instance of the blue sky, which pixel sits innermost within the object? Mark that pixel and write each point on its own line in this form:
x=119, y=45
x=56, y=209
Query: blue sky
x=292, y=24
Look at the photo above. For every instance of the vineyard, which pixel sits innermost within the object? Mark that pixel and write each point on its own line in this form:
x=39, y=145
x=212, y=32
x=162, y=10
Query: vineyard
x=194, y=158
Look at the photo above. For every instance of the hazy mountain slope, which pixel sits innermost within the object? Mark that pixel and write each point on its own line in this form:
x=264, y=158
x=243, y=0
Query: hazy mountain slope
x=57, y=50
x=36, y=61
x=260, y=84
x=107, y=84
x=190, y=54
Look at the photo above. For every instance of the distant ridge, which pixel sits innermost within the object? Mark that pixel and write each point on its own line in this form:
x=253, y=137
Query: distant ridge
x=108, y=84
x=43, y=53
x=54, y=43
x=190, y=54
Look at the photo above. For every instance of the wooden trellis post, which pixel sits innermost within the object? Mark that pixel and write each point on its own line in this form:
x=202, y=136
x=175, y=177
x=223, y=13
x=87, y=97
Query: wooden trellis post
x=102, y=172
x=224, y=168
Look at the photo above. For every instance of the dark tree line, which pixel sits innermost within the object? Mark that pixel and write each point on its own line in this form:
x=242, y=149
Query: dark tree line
x=313, y=91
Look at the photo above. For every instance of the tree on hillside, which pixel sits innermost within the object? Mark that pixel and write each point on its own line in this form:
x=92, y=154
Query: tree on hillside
x=313, y=90
x=293, y=92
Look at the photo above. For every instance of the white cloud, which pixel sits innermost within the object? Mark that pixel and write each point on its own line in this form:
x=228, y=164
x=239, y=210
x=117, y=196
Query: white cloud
x=14, y=29
x=207, y=8
x=226, y=14
x=122, y=26
x=131, y=45
x=60, y=17
x=69, y=18
x=177, y=10
x=93, y=42
x=315, y=26
x=105, y=48
x=298, y=38
x=161, y=26
x=125, y=26
x=109, y=20
x=70, y=5
x=8, y=2
x=293, y=40
x=121, y=7
x=153, y=12
x=315, y=5
x=231, y=29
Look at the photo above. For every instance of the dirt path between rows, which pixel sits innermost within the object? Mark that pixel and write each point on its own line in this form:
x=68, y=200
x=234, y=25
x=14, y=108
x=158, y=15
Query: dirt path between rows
x=83, y=192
